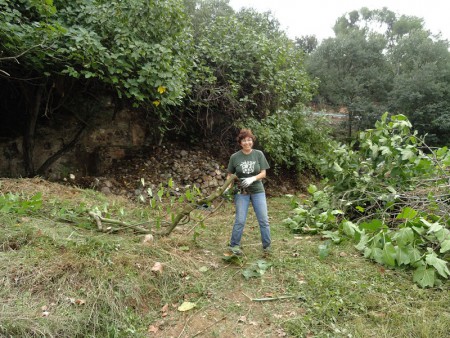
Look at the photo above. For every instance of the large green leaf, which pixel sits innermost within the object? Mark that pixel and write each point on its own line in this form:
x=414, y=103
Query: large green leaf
x=373, y=225
x=407, y=154
x=407, y=213
x=389, y=254
x=439, y=264
x=377, y=255
x=349, y=228
x=424, y=276
x=415, y=257
x=445, y=246
x=362, y=244
x=403, y=256
x=404, y=236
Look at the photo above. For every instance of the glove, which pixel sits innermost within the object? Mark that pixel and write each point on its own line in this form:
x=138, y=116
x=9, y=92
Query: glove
x=247, y=181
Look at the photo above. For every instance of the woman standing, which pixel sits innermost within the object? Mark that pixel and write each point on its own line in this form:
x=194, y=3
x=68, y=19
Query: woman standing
x=250, y=166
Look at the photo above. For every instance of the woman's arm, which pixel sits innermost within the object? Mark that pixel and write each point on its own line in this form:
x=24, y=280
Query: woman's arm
x=261, y=175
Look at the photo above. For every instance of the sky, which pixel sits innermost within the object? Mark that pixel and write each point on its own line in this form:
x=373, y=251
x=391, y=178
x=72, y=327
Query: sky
x=317, y=17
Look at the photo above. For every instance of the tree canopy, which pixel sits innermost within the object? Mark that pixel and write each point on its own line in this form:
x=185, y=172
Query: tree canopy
x=381, y=61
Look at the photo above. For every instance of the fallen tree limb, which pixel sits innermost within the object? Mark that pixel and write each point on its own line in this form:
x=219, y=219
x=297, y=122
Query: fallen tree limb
x=182, y=215
x=100, y=220
x=190, y=207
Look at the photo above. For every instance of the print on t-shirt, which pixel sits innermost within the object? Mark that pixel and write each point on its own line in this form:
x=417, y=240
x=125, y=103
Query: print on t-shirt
x=248, y=167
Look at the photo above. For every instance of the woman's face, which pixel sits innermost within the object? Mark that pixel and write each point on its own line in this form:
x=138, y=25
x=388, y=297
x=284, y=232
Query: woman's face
x=247, y=143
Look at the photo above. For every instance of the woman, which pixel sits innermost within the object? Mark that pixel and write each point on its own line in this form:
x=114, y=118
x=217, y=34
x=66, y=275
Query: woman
x=250, y=166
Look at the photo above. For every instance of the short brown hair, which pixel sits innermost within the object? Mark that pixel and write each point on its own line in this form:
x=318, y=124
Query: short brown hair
x=244, y=133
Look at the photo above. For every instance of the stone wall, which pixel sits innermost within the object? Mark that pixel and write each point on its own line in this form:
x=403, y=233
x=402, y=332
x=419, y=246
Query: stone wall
x=105, y=140
x=115, y=154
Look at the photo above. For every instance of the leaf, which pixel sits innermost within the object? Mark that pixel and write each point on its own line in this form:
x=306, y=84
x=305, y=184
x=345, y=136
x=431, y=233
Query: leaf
x=263, y=265
x=407, y=213
x=435, y=227
x=373, y=225
x=424, y=276
x=415, y=257
x=377, y=255
x=445, y=246
x=407, y=154
x=257, y=269
x=389, y=254
x=439, y=264
x=333, y=235
x=249, y=273
x=349, y=228
x=324, y=250
x=360, y=208
x=157, y=268
x=203, y=269
x=186, y=306
x=337, y=167
x=404, y=236
x=230, y=258
x=362, y=242
x=312, y=189
x=385, y=150
x=403, y=255
x=152, y=329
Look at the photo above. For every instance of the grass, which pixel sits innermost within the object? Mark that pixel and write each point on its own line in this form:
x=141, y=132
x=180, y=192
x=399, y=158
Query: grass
x=60, y=277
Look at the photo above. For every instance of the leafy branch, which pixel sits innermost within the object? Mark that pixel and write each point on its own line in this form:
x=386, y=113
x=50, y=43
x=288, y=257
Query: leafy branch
x=389, y=197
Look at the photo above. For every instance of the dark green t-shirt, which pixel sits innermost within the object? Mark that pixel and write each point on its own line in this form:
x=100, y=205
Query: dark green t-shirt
x=249, y=165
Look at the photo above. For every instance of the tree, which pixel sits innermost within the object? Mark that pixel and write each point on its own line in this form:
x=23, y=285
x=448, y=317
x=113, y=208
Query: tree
x=137, y=49
x=307, y=43
x=421, y=87
x=381, y=61
x=245, y=66
x=353, y=74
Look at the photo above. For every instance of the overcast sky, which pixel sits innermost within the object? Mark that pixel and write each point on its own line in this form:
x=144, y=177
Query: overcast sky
x=317, y=17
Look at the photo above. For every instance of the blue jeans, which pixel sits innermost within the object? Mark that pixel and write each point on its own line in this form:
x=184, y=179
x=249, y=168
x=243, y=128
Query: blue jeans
x=259, y=204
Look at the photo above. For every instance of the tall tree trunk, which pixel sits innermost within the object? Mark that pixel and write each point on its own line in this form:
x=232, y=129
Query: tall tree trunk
x=350, y=121
x=33, y=104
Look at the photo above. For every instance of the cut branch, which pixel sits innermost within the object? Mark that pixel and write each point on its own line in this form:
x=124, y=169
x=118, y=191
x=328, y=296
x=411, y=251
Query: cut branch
x=192, y=206
x=99, y=219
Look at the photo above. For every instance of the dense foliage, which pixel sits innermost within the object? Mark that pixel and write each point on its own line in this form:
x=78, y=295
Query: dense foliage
x=137, y=47
x=399, y=67
x=292, y=139
x=245, y=67
x=390, y=195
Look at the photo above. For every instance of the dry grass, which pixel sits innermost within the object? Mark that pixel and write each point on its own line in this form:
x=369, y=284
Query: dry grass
x=60, y=279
